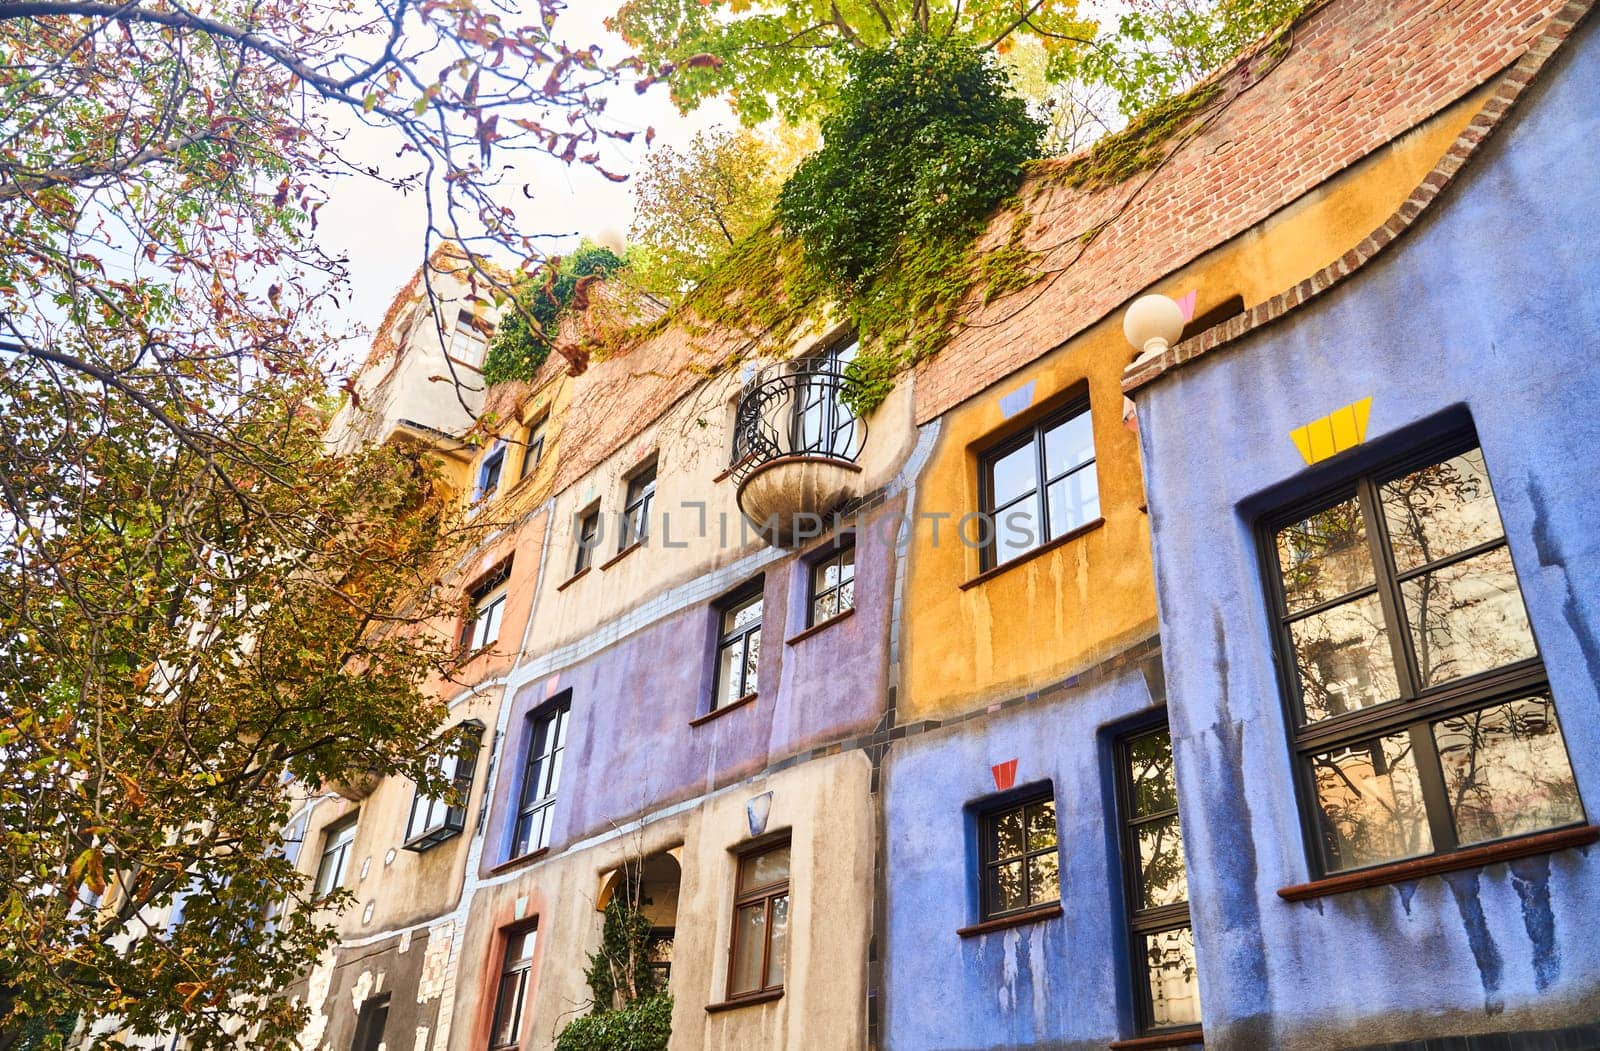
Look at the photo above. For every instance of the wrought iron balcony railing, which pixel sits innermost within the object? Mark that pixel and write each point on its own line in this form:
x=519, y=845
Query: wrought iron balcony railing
x=796, y=409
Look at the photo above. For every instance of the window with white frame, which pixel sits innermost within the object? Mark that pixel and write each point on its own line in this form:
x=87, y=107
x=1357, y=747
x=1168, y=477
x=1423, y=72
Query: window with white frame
x=467, y=341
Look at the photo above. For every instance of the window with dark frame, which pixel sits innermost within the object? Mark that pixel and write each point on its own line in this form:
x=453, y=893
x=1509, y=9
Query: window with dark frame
x=511, y=994
x=833, y=583
x=588, y=538
x=337, y=841
x=636, y=508
x=533, y=450
x=435, y=819
x=1039, y=485
x=541, y=777
x=658, y=954
x=738, y=647
x=822, y=422
x=1020, y=856
x=370, y=1023
x=1422, y=719
x=489, y=471
x=480, y=628
x=759, y=952
x=1156, y=885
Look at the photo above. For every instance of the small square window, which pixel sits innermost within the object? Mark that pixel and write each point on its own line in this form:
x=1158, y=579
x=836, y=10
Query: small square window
x=738, y=647
x=587, y=536
x=1039, y=485
x=337, y=842
x=435, y=819
x=636, y=511
x=833, y=583
x=1020, y=858
x=760, y=950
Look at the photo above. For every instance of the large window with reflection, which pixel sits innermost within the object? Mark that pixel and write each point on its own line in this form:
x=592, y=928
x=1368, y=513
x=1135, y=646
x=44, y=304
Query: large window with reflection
x=1039, y=485
x=1422, y=719
x=1165, y=981
x=1021, y=862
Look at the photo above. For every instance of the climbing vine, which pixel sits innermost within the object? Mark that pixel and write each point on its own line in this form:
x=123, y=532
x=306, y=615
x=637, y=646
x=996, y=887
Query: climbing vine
x=520, y=348
x=631, y=1010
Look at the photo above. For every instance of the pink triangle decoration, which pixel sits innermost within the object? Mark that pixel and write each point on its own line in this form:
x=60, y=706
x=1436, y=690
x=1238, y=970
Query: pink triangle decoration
x=1186, y=304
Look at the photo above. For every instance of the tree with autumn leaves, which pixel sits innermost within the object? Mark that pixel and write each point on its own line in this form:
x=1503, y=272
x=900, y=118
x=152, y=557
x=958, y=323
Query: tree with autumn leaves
x=199, y=603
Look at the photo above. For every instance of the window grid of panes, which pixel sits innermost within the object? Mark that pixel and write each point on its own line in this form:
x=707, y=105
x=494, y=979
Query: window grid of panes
x=466, y=341
x=738, y=650
x=541, y=779
x=1020, y=858
x=833, y=585
x=511, y=997
x=759, y=954
x=337, y=842
x=435, y=819
x=1165, y=979
x=482, y=625
x=1422, y=718
x=1039, y=486
x=636, y=509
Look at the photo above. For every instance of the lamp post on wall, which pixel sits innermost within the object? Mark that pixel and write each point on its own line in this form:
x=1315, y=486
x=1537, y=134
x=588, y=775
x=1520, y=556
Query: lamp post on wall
x=1152, y=324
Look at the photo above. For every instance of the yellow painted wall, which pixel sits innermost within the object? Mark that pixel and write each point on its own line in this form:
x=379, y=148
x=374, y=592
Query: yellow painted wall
x=1066, y=609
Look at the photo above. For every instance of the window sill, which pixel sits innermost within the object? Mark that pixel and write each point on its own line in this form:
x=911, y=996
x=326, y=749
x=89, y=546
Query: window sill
x=1472, y=857
x=1028, y=556
x=746, y=1001
x=620, y=555
x=1039, y=915
x=519, y=861
x=570, y=580
x=1181, y=1038
x=830, y=622
x=730, y=706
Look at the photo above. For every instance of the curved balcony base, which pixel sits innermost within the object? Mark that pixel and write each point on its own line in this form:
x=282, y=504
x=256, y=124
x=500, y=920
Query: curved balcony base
x=790, y=498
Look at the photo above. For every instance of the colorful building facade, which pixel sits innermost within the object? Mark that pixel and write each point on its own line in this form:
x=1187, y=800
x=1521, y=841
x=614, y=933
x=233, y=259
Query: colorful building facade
x=997, y=750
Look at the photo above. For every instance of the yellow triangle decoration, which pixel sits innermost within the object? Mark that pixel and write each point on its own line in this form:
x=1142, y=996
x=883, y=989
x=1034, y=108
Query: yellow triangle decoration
x=1341, y=429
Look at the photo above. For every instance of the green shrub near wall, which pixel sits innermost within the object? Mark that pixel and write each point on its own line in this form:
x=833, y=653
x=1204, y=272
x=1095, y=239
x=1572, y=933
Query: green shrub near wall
x=643, y=1025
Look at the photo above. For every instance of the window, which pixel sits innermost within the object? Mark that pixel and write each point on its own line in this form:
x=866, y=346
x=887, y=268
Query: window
x=466, y=341
x=636, y=511
x=481, y=628
x=534, y=450
x=511, y=998
x=1156, y=884
x=738, y=648
x=337, y=842
x=1039, y=485
x=588, y=538
x=822, y=421
x=658, y=954
x=833, y=584
x=1020, y=857
x=435, y=819
x=760, y=923
x=1422, y=719
x=370, y=1022
x=541, y=776
x=489, y=471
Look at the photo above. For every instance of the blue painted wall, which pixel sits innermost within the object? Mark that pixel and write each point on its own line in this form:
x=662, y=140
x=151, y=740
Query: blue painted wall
x=1490, y=305
x=1051, y=984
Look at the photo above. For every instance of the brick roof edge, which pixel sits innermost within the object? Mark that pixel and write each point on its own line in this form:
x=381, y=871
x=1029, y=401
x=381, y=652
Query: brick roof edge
x=1512, y=84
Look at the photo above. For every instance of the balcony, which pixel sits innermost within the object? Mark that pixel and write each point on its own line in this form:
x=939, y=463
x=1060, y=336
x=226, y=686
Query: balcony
x=795, y=447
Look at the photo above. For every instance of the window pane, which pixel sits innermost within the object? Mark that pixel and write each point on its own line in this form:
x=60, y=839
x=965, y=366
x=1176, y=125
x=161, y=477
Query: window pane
x=778, y=957
x=825, y=607
x=1506, y=770
x=729, y=660
x=1467, y=617
x=1440, y=510
x=752, y=659
x=508, y=1009
x=1017, y=528
x=1162, y=880
x=1067, y=445
x=749, y=939
x=1005, y=888
x=1324, y=556
x=1043, y=884
x=1008, y=835
x=763, y=870
x=827, y=575
x=1150, y=761
x=1173, y=978
x=1042, y=825
x=1371, y=803
x=745, y=613
x=847, y=595
x=1344, y=659
x=1013, y=474
x=521, y=948
x=1074, y=500
x=847, y=564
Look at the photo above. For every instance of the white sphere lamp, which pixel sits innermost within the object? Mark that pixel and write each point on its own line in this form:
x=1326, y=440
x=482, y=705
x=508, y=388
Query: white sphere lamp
x=1152, y=324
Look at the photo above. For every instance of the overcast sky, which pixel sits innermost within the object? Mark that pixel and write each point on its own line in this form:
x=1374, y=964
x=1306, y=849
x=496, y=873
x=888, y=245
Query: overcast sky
x=381, y=230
